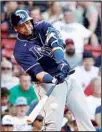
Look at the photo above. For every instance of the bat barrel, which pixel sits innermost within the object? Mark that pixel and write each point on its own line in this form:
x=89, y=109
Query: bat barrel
x=32, y=106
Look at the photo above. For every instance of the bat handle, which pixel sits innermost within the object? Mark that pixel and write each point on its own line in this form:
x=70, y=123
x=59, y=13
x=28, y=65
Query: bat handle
x=51, y=89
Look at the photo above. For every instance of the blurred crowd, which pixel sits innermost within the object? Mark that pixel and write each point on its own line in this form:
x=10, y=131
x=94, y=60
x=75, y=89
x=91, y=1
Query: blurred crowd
x=79, y=25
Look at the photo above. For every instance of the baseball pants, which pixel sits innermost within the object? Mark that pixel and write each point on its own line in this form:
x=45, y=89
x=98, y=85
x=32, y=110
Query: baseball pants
x=71, y=94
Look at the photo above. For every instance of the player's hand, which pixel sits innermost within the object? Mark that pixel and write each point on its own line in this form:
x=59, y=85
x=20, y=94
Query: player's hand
x=64, y=68
x=64, y=71
x=60, y=77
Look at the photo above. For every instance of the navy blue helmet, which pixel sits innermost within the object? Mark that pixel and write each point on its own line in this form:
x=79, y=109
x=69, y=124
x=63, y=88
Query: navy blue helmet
x=19, y=17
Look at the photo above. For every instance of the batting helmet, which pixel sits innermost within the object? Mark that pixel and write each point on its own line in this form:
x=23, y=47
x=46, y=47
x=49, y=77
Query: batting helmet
x=19, y=17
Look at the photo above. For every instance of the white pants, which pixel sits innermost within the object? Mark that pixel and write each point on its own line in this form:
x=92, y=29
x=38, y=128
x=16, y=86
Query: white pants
x=71, y=94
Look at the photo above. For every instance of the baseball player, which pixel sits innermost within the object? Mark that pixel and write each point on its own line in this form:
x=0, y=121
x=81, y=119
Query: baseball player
x=39, y=51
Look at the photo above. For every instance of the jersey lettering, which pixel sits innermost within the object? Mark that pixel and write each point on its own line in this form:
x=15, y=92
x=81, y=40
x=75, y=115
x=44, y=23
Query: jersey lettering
x=39, y=52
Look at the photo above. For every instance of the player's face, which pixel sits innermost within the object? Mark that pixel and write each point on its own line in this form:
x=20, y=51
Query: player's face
x=88, y=63
x=25, y=28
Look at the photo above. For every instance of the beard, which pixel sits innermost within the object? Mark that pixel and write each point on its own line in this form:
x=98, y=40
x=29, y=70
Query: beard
x=70, y=52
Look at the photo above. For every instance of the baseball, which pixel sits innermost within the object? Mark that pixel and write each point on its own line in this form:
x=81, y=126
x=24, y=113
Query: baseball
x=54, y=106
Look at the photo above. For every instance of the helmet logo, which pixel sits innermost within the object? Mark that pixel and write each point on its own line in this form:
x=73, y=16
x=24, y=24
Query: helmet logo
x=21, y=15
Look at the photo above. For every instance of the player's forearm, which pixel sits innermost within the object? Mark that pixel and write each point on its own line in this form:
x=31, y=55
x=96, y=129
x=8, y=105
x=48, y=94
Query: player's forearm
x=45, y=77
x=58, y=54
x=57, y=44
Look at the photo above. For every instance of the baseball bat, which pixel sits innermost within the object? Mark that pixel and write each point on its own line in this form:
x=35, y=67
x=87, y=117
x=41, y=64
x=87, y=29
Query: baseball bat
x=36, y=107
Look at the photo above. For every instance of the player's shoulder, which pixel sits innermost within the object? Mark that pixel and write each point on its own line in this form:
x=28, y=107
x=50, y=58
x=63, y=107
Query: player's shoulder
x=41, y=24
x=20, y=47
x=19, y=42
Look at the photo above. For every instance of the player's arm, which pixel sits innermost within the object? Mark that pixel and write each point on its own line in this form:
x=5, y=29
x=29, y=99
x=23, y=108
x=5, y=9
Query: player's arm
x=57, y=45
x=55, y=41
x=45, y=77
x=33, y=68
x=37, y=71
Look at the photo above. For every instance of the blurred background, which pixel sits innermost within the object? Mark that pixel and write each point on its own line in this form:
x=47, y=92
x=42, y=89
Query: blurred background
x=79, y=24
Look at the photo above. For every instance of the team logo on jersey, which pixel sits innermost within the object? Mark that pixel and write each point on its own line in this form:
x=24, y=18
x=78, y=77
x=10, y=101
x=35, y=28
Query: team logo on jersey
x=39, y=49
x=39, y=52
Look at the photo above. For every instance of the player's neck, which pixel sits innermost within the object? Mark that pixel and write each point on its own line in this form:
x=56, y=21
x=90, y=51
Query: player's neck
x=26, y=37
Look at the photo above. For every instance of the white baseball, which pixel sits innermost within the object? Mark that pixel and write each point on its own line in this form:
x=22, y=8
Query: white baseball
x=54, y=106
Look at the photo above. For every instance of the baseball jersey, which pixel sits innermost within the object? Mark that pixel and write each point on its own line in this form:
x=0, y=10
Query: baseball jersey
x=35, y=55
